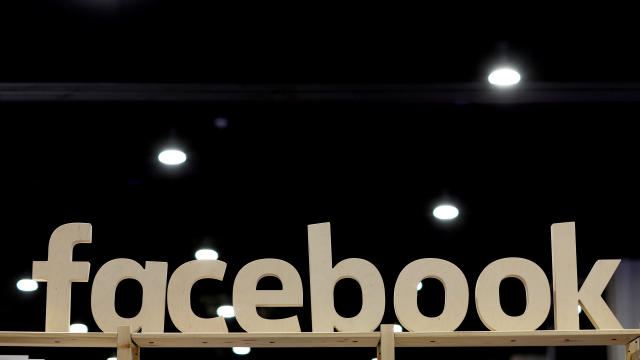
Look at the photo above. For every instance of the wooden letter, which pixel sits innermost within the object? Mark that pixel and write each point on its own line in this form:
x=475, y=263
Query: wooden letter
x=153, y=279
x=324, y=276
x=246, y=298
x=565, y=283
x=59, y=271
x=179, y=296
x=590, y=295
x=456, y=290
x=535, y=284
x=565, y=276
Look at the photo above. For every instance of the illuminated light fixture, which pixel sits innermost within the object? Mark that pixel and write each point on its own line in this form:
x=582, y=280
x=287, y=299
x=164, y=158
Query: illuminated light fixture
x=27, y=285
x=445, y=212
x=420, y=286
x=504, y=77
x=397, y=328
x=112, y=358
x=172, y=157
x=206, y=254
x=226, y=311
x=579, y=309
x=241, y=350
x=78, y=328
x=221, y=123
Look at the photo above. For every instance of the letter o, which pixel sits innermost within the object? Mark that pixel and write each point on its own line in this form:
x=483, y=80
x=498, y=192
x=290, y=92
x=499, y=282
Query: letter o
x=536, y=287
x=456, y=295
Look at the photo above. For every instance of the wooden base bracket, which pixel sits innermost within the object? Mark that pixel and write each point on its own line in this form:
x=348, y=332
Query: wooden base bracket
x=127, y=349
x=633, y=350
x=387, y=345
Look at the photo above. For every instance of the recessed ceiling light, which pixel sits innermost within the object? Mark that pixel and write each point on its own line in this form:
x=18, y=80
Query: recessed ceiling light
x=172, y=157
x=206, y=254
x=504, y=77
x=27, y=285
x=226, y=311
x=241, y=350
x=221, y=123
x=445, y=212
x=78, y=328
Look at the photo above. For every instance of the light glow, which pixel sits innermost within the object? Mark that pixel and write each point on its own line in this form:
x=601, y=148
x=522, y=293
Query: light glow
x=78, y=328
x=241, y=350
x=504, y=77
x=226, y=311
x=172, y=157
x=206, y=254
x=397, y=328
x=27, y=285
x=420, y=286
x=445, y=212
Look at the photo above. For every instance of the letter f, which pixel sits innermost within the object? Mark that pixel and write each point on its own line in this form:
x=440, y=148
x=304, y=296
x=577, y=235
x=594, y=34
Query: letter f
x=59, y=271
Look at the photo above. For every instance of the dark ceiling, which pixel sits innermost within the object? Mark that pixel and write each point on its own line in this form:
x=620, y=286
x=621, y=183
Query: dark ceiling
x=375, y=169
x=212, y=42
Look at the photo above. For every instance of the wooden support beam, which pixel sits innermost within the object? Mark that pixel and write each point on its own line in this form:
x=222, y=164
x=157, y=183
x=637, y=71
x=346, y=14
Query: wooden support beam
x=516, y=338
x=127, y=350
x=135, y=351
x=386, y=347
x=58, y=339
x=256, y=340
x=633, y=350
x=325, y=340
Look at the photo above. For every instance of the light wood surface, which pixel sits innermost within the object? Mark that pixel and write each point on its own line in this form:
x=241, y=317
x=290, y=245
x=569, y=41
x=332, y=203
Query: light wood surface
x=565, y=277
x=58, y=339
x=334, y=339
x=323, y=278
x=387, y=346
x=153, y=278
x=516, y=338
x=565, y=283
x=590, y=295
x=60, y=271
x=456, y=295
x=263, y=340
x=246, y=298
x=632, y=350
x=125, y=345
x=536, y=285
x=179, y=296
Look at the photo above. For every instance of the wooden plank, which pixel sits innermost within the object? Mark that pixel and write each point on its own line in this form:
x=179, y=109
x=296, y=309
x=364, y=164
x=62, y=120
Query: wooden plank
x=336, y=339
x=275, y=340
x=386, y=347
x=53, y=339
x=516, y=338
x=632, y=350
x=124, y=343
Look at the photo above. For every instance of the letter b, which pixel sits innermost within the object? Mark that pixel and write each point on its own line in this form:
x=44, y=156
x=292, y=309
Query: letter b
x=324, y=276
